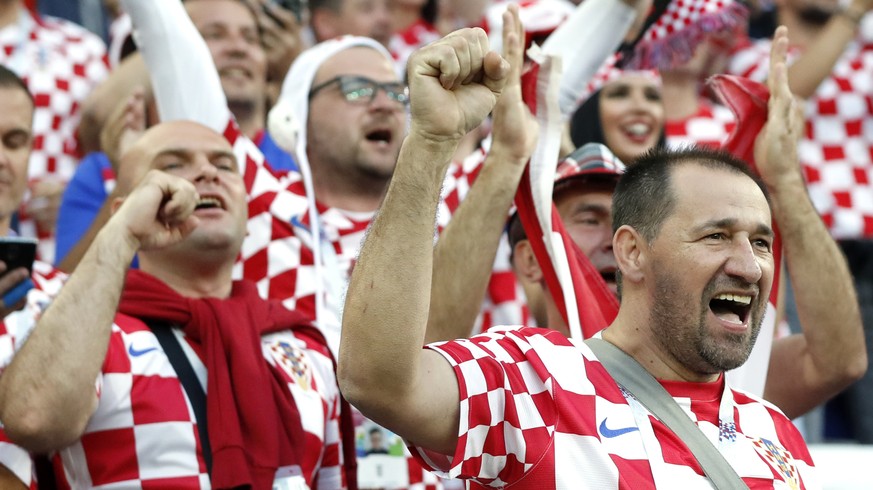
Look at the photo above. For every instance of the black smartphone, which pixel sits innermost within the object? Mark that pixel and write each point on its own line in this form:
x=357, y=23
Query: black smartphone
x=294, y=6
x=18, y=252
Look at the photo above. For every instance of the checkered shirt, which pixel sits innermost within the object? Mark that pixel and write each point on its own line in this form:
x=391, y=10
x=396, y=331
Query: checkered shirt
x=539, y=411
x=404, y=43
x=710, y=126
x=837, y=150
x=276, y=253
x=143, y=433
x=61, y=63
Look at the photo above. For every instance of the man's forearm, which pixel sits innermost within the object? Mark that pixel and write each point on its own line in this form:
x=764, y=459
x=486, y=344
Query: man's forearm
x=831, y=352
x=465, y=252
x=47, y=393
x=818, y=59
x=386, y=309
x=184, y=78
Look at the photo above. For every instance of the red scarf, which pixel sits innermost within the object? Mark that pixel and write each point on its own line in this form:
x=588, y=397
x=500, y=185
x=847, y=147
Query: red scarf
x=253, y=423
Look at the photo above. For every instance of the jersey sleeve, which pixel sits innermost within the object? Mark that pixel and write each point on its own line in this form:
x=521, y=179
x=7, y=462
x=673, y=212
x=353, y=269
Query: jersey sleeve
x=14, y=330
x=507, y=409
x=17, y=460
x=185, y=81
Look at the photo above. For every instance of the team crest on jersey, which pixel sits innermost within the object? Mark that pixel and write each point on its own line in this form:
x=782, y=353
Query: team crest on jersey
x=779, y=459
x=293, y=361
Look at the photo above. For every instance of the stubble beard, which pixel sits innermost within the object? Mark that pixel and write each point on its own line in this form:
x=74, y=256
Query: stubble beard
x=686, y=335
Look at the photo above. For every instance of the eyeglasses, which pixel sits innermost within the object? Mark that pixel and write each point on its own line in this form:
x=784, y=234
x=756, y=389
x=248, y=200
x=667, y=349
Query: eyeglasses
x=362, y=90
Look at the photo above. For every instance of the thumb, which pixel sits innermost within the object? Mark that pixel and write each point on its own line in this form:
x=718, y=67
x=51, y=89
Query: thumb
x=496, y=72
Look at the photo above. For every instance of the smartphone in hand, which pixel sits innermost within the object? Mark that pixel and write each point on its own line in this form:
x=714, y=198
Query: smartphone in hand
x=17, y=252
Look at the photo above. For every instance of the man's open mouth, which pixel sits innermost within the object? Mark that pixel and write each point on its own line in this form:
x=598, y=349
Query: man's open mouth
x=209, y=202
x=731, y=307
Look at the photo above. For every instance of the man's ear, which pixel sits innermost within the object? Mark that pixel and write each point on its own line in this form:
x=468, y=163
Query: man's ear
x=525, y=262
x=630, y=250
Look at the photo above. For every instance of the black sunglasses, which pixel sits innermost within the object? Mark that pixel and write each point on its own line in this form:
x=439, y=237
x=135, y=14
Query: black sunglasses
x=357, y=89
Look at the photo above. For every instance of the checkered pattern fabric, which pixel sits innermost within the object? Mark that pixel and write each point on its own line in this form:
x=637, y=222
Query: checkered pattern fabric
x=609, y=72
x=61, y=63
x=709, y=126
x=837, y=150
x=670, y=40
x=48, y=281
x=539, y=411
x=404, y=43
x=143, y=433
x=276, y=253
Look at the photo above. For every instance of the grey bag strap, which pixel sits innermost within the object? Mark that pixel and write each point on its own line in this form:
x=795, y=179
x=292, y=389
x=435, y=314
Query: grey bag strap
x=628, y=373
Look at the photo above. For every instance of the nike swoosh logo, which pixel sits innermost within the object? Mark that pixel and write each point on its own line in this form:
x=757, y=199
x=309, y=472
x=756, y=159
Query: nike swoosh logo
x=610, y=433
x=295, y=221
x=136, y=353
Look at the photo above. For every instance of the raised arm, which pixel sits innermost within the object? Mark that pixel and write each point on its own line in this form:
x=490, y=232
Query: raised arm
x=184, y=78
x=47, y=394
x=465, y=251
x=818, y=60
x=600, y=26
x=808, y=368
x=383, y=370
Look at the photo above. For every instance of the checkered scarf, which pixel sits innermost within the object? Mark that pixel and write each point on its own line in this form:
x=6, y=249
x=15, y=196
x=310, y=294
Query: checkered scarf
x=253, y=423
x=675, y=27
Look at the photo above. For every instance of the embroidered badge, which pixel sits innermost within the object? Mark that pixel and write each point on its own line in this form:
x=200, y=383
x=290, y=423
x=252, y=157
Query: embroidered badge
x=293, y=361
x=779, y=459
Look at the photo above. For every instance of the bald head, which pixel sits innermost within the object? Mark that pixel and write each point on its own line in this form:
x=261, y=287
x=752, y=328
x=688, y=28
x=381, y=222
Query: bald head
x=166, y=140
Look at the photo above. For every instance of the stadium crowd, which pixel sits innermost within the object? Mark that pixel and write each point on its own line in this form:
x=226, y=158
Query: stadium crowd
x=423, y=244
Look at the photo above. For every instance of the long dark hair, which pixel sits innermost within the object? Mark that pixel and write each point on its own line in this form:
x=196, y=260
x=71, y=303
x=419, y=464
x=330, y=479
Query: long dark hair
x=587, y=127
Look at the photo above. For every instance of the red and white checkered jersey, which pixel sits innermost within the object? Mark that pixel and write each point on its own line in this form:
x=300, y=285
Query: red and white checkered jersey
x=48, y=281
x=61, y=63
x=539, y=411
x=404, y=43
x=710, y=126
x=143, y=433
x=276, y=253
x=837, y=150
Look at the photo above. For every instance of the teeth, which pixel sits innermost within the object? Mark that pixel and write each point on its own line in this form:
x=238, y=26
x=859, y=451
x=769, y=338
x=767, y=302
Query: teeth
x=736, y=298
x=233, y=71
x=208, y=202
x=638, y=129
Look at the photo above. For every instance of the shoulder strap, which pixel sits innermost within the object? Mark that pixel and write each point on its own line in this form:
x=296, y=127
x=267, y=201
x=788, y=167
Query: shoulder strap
x=628, y=373
x=182, y=366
